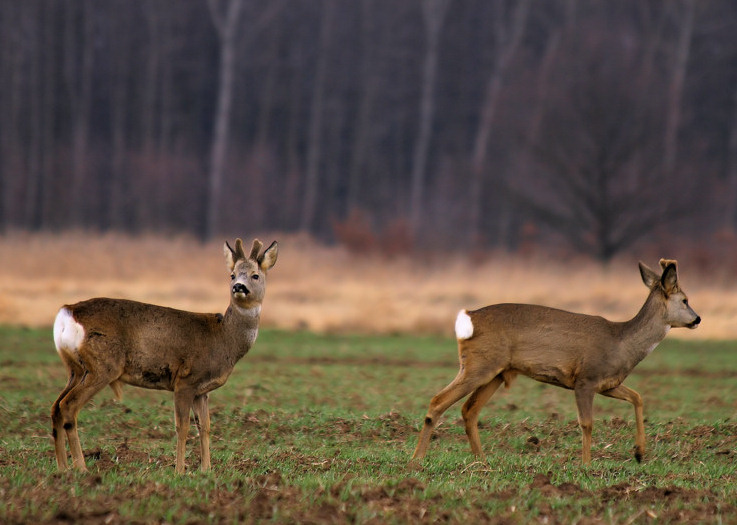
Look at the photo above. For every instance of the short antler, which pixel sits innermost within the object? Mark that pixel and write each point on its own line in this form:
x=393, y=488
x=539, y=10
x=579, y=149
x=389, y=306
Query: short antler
x=256, y=249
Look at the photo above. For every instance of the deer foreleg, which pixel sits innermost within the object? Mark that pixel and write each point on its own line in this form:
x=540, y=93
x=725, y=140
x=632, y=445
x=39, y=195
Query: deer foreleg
x=182, y=408
x=627, y=394
x=472, y=408
x=202, y=419
x=585, y=406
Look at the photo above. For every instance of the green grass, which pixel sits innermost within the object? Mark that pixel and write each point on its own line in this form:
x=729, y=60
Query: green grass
x=313, y=428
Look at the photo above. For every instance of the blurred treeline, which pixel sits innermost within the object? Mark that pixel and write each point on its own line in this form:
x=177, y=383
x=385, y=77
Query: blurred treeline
x=483, y=123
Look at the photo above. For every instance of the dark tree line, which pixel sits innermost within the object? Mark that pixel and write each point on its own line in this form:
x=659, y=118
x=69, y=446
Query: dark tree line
x=472, y=121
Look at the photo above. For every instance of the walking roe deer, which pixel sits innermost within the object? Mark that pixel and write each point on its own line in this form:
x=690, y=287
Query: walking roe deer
x=583, y=353
x=113, y=341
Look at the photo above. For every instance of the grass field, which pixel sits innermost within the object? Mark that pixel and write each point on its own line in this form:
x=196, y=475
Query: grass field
x=320, y=428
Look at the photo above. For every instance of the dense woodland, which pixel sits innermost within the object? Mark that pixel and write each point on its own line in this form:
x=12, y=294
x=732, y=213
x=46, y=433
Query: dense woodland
x=482, y=123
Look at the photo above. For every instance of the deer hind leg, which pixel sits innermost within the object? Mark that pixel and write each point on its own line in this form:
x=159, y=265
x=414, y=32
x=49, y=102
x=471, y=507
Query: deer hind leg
x=183, y=401
x=202, y=419
x=460, y=387
x=585, y=406
x=472, y=408
x=117, y=388
x=68, y=407
x=627, y=394
x=57, y=420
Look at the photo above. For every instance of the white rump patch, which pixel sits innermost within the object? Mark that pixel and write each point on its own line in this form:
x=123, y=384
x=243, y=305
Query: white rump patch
x=68, y=333
x=464, y=325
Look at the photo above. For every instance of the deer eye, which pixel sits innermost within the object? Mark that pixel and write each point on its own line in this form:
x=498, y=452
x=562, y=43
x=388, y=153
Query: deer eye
x=685, y=301
x=232, y=276
x=254, y=277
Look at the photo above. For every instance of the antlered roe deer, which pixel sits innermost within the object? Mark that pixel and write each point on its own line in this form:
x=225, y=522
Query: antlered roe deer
x=113, y=341
x=583, y=353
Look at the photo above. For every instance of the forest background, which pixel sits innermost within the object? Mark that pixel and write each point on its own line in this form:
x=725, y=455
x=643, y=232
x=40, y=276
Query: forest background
x=587, y=127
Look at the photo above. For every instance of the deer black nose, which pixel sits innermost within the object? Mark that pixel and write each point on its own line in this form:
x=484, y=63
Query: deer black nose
x=240, y=288
x=696, y=322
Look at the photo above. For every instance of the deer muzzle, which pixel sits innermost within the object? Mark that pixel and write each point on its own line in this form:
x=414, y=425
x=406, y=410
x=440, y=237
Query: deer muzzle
x=240, y=288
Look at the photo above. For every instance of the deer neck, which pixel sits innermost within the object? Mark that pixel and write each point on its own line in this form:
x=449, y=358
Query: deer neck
x=644, y=331
x=241, y=325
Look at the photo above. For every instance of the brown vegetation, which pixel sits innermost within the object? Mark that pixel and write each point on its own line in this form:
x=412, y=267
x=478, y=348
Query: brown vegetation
x=329, y=289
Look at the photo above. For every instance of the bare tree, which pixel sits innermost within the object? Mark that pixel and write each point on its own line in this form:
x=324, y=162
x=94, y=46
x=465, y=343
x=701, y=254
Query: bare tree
x=226, y=19
x=507, y=44
x=369, y=87
x=433, y=12
x=675, y=90
x=730, y=213
x=34, y=186
x=598, y=131
x=314, y=134
x=120, y=64
x=78, y=67
x=113, y=110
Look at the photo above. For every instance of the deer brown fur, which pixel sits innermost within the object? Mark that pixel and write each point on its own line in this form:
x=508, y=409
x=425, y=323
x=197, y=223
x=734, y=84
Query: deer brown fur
x=584, y=353
x=114, y=341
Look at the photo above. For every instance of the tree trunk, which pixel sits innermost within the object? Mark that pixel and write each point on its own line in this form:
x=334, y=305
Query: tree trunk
x=314, y=146
x=226, y=24
x=49, y=104
x=505, y=50
x=80, y=88
x=675, y=91
x=34, y=148
x=11, y=89
x=369, y=87
x=730, y=213
x=117, y=198
x=433, y=13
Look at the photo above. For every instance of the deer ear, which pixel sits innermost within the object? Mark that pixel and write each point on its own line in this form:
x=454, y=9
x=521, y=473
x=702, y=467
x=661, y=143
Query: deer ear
x=229, y=256
x=268, y=259
x=649, y=277
x=669, y=280
x=665, y=262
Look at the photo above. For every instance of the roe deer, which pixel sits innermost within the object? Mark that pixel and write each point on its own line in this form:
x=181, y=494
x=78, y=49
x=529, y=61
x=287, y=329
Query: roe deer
x=113, y=341
x=584, y=353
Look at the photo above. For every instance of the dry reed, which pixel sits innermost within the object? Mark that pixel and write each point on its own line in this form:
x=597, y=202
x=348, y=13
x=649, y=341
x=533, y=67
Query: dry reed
x=327, y=289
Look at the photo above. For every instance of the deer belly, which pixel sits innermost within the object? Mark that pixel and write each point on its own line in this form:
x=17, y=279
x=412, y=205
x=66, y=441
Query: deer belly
x=157, y=378
x=550, y=375
x=213, y=383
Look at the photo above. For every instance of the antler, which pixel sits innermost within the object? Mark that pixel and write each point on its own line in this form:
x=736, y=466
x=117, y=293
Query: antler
x=255, y=249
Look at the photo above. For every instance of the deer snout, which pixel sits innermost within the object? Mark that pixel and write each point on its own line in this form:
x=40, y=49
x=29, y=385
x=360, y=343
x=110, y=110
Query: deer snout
x=240, y=288
x=696, y=322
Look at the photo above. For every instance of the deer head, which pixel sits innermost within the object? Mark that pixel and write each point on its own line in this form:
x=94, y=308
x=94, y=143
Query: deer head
x=677, y=312
x=248, y=273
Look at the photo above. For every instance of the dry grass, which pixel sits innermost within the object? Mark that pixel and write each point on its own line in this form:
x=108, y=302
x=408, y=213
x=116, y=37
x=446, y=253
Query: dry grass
x=327, y=289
